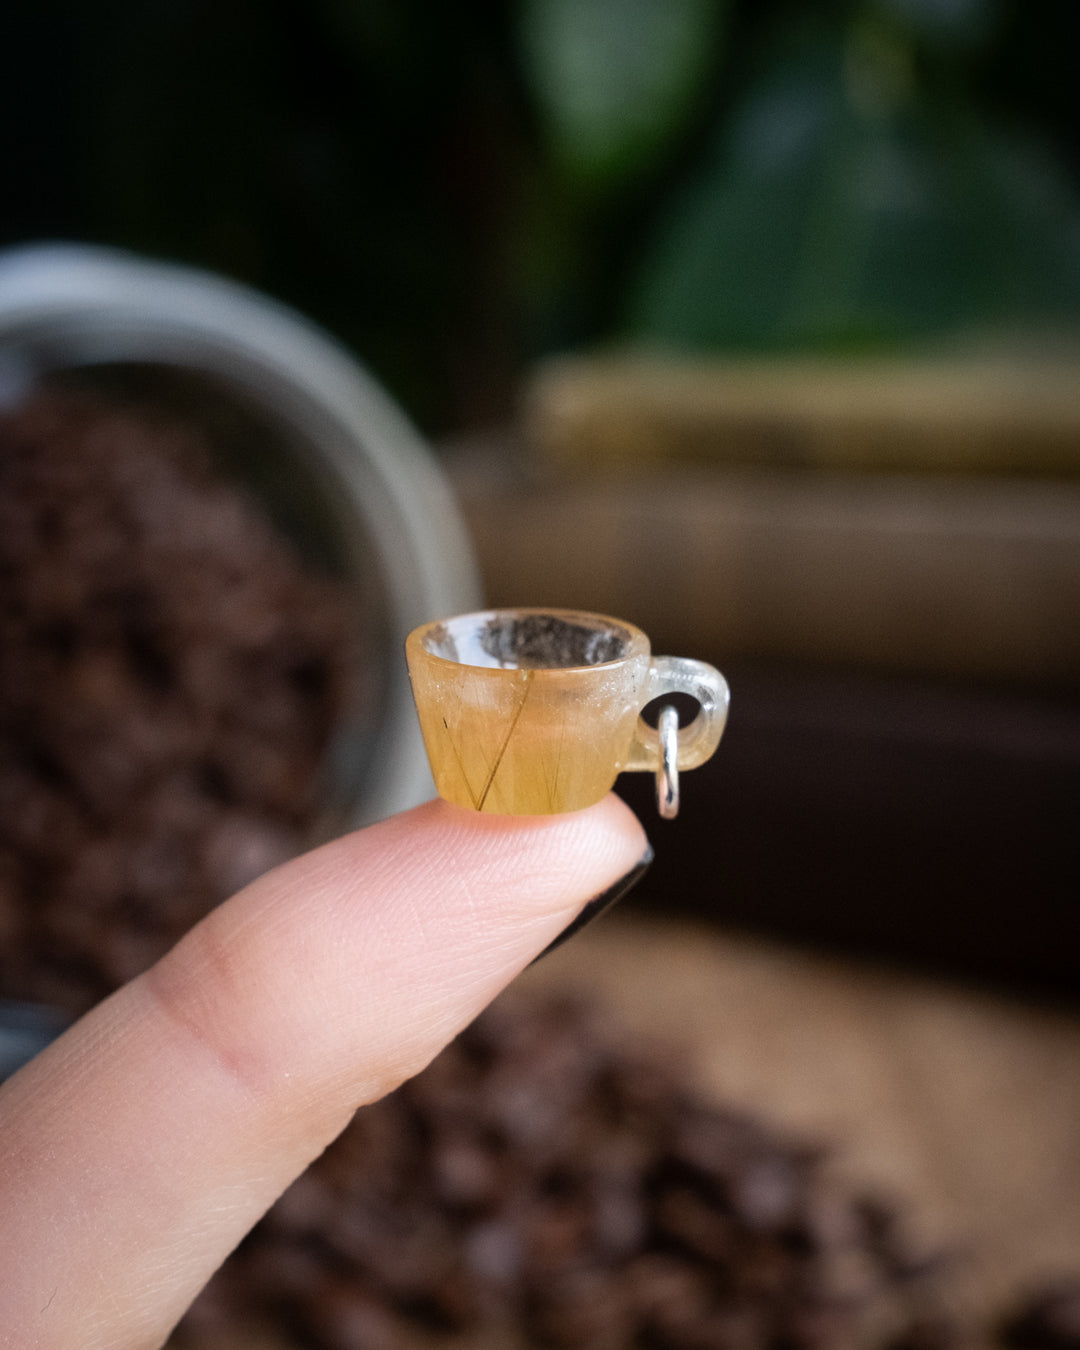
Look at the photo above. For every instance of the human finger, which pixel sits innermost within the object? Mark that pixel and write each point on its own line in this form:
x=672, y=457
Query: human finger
x=139, y=1147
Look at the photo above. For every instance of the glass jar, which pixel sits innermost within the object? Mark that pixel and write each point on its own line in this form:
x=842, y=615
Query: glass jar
x=307, y=430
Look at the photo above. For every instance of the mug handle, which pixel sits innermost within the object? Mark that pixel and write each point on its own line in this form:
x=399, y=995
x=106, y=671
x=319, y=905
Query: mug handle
x=667, y=748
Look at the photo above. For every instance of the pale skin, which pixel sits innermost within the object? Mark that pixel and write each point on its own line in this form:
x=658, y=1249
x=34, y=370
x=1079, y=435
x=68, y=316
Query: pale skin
x=139, y=1148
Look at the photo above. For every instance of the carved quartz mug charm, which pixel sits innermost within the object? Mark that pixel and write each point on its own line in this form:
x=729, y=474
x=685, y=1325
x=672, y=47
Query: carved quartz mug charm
x=537, y=711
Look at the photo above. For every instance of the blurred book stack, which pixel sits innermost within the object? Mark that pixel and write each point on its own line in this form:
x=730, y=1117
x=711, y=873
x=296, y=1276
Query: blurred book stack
x=885, y=558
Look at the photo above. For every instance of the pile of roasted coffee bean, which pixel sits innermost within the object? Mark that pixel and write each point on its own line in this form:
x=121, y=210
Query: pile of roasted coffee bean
x=1047, y=1319
x=169, y=676
x=540, y=1185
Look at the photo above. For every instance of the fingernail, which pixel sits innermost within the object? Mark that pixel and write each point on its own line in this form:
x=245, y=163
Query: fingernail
x=603, y=901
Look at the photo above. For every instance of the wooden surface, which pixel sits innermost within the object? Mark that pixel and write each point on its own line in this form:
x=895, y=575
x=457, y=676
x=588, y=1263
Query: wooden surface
x=904, y=658
x=961, y=1106
x=616, y=413
x=937, y=576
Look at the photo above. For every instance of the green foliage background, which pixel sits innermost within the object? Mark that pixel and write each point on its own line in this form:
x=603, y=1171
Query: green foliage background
x=456, y=188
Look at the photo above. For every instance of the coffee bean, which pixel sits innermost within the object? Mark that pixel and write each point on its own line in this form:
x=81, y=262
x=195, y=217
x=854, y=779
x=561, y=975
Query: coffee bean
x=1048, y=1319
x=170, y=674
x=344, y=1314
x=629, y=1216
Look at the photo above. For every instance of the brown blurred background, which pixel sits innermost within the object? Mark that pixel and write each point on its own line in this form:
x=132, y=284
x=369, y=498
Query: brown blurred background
x=756, y=324
x=872, y=526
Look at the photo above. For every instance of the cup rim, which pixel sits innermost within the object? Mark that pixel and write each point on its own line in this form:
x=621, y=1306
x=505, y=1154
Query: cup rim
x=637, y=640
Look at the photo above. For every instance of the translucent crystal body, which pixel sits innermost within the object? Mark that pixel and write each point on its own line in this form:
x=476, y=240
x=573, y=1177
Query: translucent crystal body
x=530, y=712
x=509, y=730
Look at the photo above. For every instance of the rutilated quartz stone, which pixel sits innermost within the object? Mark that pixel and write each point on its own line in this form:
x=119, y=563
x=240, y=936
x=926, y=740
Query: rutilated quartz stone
x=527, y=714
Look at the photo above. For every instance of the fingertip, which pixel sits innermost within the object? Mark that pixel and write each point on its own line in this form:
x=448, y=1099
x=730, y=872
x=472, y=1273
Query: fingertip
x=610, y=814
x=614, y=815
x=204, y=1087
x=608, y=826
x=553, y=861
x=401, y=931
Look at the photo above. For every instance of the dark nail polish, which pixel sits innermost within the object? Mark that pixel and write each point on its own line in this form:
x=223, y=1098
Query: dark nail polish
x=25, y=1029
x=603, y=901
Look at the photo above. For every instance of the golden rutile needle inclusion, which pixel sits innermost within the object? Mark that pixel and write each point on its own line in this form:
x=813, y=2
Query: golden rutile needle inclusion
x=527, y=715
x=531, y=711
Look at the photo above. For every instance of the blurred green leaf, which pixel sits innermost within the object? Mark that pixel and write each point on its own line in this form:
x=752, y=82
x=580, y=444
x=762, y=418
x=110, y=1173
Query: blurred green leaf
x=741, y=173
x=952, y=23
x=826, y=219
x=617, y=80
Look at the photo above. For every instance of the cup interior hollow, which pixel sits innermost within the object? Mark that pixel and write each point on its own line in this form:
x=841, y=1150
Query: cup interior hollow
x=533, y=639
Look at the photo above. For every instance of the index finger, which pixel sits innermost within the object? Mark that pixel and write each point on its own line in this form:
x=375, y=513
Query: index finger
x=139, y=1148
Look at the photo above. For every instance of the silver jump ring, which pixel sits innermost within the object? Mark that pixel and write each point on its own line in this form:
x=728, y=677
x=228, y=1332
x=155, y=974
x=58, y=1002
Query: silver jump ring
x=667, y=769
